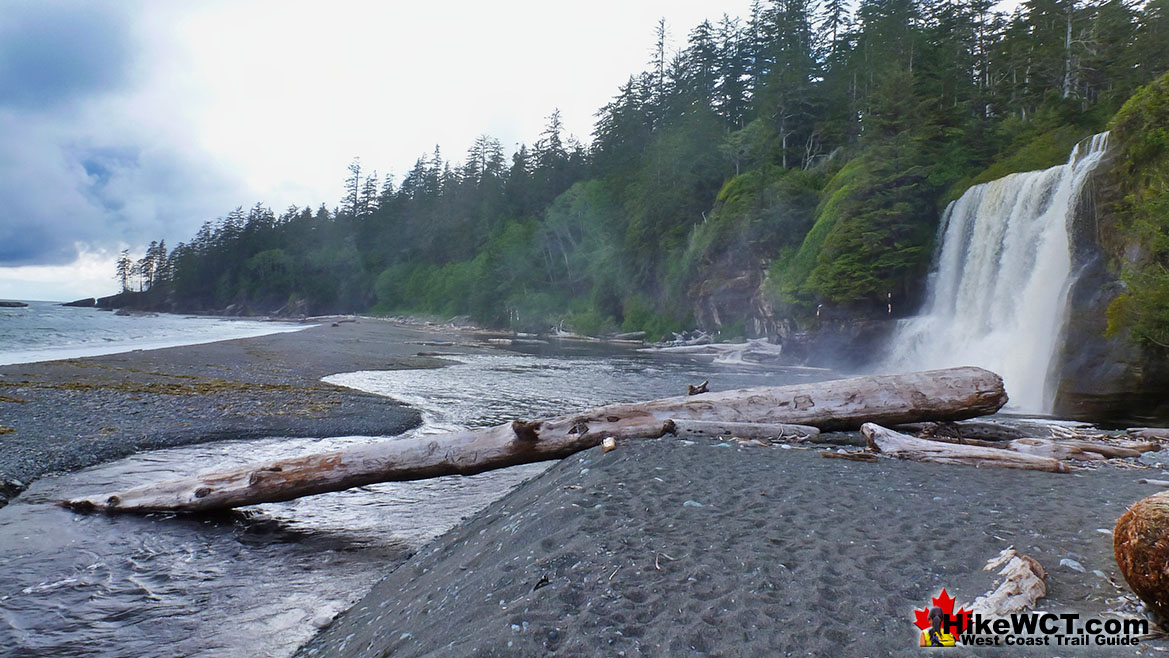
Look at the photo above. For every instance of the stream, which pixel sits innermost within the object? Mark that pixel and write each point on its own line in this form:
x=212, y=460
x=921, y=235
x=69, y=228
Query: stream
x=260, y=582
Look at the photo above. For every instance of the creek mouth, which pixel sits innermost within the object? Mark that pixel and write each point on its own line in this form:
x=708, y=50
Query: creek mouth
x=262, y=582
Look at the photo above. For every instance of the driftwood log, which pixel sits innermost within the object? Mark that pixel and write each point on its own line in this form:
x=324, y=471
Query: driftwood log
x=904, y=446
x=949, y=394
x=1075, y=449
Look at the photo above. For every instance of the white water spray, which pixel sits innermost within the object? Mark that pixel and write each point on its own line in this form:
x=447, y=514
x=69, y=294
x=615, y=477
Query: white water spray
x=998, y=296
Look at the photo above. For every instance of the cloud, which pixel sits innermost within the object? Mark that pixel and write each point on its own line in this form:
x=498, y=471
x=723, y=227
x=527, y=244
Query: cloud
x=52, y=53
x=91, y=158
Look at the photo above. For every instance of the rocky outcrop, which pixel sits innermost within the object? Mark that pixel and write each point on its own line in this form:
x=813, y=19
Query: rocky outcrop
x=1102, y=377
x=4, y=304
x=731, y=296
x=88, y=302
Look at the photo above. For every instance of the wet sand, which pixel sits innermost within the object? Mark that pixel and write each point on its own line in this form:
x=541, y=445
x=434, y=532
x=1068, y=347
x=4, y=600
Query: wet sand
x=670, y=548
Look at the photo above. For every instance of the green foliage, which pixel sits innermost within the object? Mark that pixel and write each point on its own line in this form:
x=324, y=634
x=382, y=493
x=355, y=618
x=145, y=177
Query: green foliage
x=1026, y=152
x=1141, y=133
x=640, y=315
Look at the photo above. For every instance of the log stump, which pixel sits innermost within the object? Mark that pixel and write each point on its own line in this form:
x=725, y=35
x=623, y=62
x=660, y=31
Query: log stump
x=1140, y=542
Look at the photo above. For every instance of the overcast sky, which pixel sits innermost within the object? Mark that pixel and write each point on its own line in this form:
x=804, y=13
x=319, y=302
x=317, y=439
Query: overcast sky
x=123, y=122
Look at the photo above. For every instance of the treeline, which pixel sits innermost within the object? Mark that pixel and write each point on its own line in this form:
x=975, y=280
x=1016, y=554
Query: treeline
x=791, y=161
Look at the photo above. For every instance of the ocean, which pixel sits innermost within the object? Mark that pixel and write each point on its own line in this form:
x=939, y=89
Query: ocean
x=47, y=331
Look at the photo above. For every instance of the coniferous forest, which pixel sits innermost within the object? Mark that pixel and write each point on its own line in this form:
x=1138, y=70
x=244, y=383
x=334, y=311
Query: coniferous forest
x=790, y=162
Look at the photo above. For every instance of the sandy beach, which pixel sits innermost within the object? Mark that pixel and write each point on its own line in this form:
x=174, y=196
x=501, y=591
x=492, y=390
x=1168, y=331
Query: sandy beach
x=659, y=548
x=670, y=548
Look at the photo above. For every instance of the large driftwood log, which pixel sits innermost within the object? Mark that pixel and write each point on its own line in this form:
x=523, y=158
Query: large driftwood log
x=904, y=446
x=940, y=394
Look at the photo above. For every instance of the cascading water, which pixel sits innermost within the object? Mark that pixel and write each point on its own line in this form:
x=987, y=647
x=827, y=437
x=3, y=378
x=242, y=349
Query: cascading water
x=998, y=296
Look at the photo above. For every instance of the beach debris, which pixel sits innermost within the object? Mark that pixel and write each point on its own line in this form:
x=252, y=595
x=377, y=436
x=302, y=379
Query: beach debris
x=698, y=390
x=752, y=353
x=904, y=446
x=999, y=560
x=752, y=442
x=1149, y=433
x=769, y=432
x=608, y=443
x=850, y=455
x=1155, y=483
x=948, y=394
x=1023, y=583
x=1140, y=543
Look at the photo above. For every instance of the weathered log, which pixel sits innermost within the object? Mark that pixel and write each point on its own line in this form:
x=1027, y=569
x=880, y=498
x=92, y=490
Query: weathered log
x=1150, y=433
x=1077, y=449
x=910, y=447
x=766, y=431
x=939, y=394
x=1140, y=543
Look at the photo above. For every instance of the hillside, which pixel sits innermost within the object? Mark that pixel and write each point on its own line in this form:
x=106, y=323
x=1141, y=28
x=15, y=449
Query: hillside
x=783, y=168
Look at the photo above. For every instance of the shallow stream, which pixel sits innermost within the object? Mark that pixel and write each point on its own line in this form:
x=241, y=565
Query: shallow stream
x=260, y=582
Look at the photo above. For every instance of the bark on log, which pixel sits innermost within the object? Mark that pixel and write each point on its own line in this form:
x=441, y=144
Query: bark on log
x=940, y=394
x=909, y=447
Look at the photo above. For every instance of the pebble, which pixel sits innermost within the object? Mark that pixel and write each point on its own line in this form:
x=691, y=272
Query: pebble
x=1073, y=565
x=692, y=503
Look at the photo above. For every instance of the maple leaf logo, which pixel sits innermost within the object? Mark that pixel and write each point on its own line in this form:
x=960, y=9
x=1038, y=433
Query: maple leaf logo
x=946, y=603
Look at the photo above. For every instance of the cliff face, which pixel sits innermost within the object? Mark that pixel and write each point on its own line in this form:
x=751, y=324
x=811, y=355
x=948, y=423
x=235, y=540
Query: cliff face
x=1102, y=374
x=1115, y=362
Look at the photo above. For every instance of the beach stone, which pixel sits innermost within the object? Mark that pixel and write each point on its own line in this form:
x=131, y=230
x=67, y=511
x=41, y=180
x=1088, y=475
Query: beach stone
x=1141, y=546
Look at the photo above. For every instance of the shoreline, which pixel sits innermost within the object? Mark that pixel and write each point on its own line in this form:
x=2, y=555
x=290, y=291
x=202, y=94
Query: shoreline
x=685, y=547
x=68, y=414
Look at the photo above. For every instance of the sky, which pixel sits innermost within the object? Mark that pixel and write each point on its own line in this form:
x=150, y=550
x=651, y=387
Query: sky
x=127, y=121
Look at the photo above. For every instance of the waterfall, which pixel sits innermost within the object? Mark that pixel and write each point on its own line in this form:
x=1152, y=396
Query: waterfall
x=997, y=297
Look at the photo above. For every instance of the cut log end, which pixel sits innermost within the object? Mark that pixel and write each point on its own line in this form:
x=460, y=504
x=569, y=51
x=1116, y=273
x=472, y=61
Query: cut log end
x=1140, y=542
